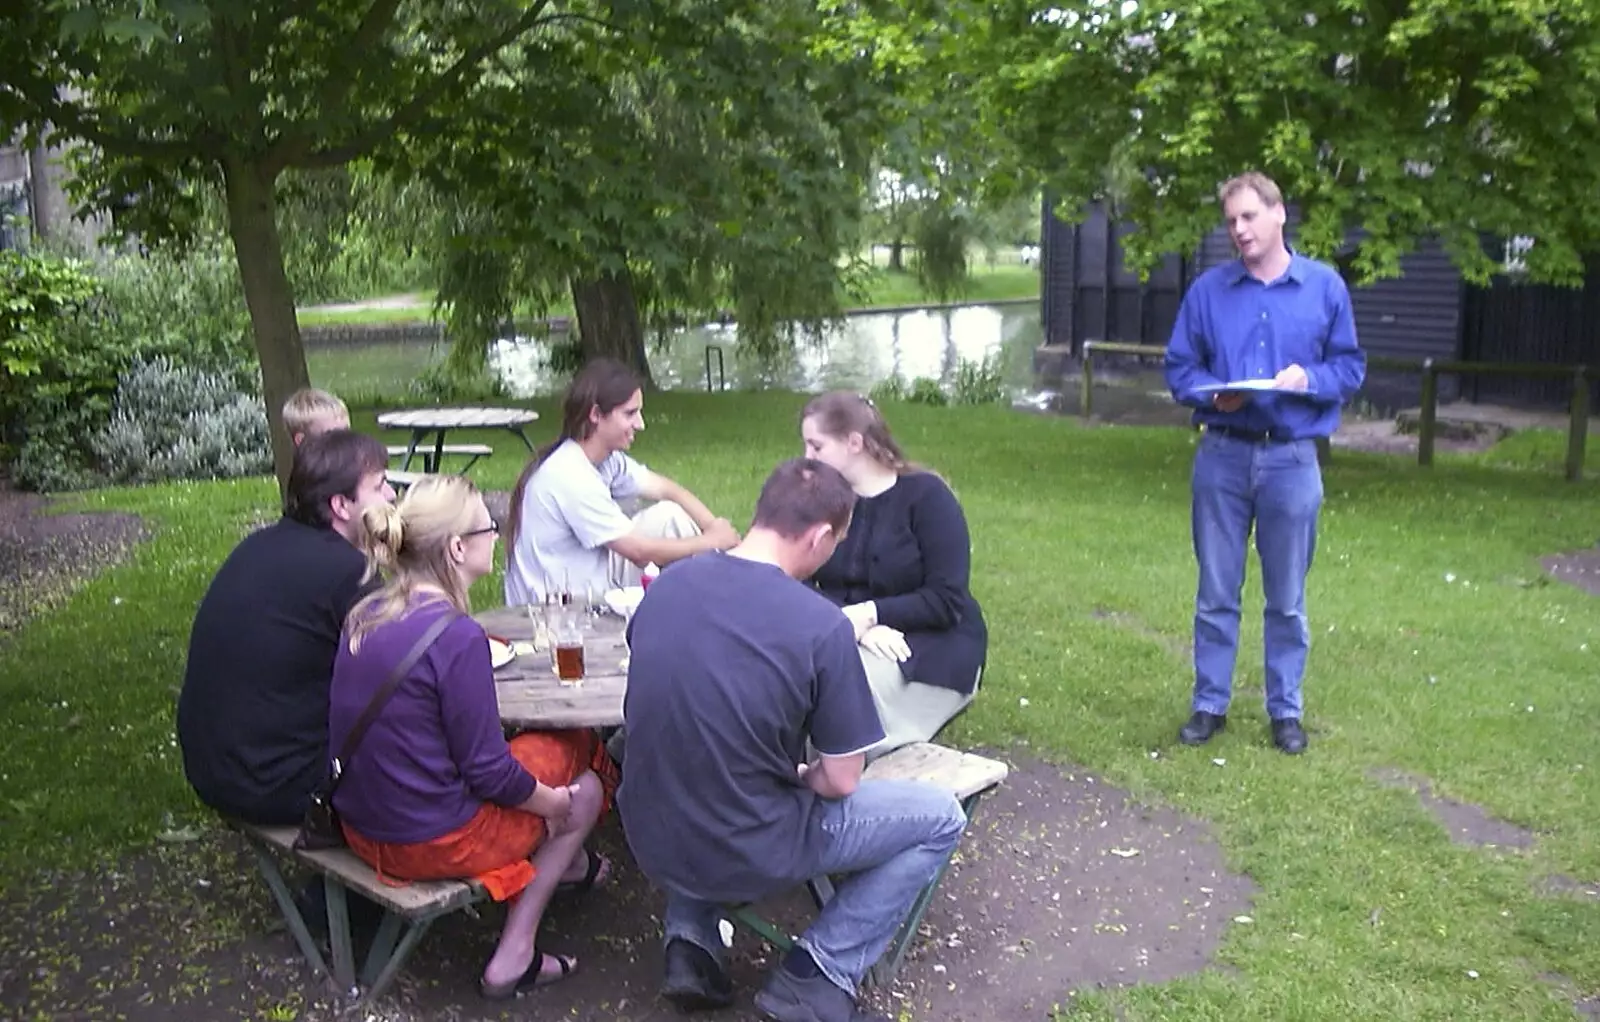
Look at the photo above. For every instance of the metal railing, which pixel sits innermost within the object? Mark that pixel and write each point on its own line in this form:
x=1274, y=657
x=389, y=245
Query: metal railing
x=1430, y=369
x=722, y=379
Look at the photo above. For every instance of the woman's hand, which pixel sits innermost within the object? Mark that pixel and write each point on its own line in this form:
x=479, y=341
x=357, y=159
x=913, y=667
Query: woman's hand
x=887, y=643
x=862, y=617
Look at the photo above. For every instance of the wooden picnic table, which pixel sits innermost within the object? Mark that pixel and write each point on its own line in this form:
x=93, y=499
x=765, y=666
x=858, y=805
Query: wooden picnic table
x=531, y=696
x=423, y=422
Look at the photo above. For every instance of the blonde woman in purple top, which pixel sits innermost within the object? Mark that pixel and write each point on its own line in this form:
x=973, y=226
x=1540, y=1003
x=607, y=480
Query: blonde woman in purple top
x=434, y=791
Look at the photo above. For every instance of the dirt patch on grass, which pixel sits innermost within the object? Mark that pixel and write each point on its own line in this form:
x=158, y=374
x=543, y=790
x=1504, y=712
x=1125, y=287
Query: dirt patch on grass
x=1062, y=884
x=44, y=556
x=1466, y=824
x=1579, y=568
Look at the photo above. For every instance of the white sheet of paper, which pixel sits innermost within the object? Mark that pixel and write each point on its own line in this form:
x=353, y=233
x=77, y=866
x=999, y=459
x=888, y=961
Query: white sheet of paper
x=1213, y=388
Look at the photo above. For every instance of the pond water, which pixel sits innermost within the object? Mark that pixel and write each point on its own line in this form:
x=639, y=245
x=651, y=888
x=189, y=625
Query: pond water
x=858, y=353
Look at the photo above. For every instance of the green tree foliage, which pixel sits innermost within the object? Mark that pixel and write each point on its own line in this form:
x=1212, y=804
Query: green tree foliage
x=710, y=160
x=171, y=93
x=1397, y=118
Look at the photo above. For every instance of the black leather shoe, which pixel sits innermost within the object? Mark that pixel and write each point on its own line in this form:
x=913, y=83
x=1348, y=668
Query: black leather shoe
x=1288, y=736
x=694, y=981
x=1201, y=727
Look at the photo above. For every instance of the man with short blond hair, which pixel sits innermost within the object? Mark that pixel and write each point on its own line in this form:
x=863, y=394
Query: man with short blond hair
x=310, y=411
x=1264, y=350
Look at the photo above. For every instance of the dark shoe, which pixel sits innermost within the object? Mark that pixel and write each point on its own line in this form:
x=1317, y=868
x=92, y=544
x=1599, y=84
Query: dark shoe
x=595, y=874
x=1201, y=727
x=1288, y=736
x=694, y=981
x=532, y=977
x=789, y=998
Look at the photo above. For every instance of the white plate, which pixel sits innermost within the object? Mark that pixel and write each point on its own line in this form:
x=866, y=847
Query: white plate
x=500, y=653
x=624, y=601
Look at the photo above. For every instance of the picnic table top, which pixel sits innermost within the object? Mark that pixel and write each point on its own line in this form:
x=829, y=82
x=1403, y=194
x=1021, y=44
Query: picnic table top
x=531, y=695
x=457, y=418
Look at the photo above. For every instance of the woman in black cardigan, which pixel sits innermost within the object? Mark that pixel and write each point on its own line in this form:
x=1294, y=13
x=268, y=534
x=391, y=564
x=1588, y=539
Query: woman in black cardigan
x=901, y=574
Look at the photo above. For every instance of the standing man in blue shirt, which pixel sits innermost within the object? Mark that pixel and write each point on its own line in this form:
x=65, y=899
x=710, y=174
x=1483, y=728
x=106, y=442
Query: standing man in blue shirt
x=1279, y=318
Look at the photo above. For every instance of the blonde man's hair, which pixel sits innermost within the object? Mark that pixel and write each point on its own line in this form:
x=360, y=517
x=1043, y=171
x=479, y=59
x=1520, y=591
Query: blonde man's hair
x=410, y=541
x=1257, y=182
x=308, y=404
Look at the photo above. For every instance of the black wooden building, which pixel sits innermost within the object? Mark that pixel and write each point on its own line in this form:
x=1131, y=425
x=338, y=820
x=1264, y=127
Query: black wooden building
x=1427, y=312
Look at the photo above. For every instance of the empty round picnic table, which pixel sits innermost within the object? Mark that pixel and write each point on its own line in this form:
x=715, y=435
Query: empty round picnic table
x=531, y=696
x=437, y=422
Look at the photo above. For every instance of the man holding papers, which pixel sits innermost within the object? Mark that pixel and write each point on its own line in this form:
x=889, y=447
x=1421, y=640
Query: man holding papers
x=1264, y=349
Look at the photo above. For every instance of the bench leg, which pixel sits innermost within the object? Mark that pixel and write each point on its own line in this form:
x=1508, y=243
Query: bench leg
x=396, y=959
x=521, y=434
x=344, y=968
x=291, y=912
x=884, y=969
x=470, y=462
x=747, y=915
x=382, y=947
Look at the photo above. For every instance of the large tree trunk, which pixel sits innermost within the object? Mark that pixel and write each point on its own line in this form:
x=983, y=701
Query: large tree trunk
x=253, y=225
x=608, y=321
x=897, y=255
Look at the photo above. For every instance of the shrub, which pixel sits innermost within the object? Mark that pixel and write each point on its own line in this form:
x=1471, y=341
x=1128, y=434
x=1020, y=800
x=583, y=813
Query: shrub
x=926, y=391
x=182, y=422
x=70, y=329
x=57, y=373
x=979, y=383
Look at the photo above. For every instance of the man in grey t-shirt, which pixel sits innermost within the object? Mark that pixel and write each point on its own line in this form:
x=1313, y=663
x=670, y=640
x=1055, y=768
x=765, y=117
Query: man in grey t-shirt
x=735, y=666
x=568, y=529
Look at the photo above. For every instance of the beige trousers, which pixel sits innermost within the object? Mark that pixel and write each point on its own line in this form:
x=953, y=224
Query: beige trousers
x=663, y=520
x=909, y=710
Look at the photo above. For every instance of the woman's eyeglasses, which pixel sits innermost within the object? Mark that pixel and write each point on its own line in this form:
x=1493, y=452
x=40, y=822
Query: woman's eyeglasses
x=493, y=527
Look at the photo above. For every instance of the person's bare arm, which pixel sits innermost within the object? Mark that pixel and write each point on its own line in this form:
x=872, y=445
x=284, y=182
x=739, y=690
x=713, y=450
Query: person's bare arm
x=643, y=550
x=551, y=803
x=834, y=776
x=654, y=486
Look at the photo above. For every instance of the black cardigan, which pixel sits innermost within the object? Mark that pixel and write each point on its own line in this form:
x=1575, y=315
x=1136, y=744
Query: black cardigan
x=909, y=552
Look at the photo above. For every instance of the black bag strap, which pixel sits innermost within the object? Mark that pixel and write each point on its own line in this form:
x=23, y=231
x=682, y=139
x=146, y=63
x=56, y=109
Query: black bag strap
x=380, y=697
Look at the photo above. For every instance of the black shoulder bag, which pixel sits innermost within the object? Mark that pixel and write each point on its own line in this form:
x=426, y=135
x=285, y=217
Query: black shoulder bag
x=320, y=829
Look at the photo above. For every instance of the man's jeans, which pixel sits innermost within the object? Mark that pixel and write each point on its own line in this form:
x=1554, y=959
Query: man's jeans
x=891, y=837
x=1279, y=488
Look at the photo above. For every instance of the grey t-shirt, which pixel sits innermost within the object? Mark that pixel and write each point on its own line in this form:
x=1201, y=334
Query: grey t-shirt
x=569, y=514
x=733, y=666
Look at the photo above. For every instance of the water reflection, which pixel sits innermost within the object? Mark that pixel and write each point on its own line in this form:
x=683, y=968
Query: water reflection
x=857, y=354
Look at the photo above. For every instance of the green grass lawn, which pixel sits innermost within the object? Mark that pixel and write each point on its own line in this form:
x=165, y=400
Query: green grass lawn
x=886, y=289
x=1438, y=649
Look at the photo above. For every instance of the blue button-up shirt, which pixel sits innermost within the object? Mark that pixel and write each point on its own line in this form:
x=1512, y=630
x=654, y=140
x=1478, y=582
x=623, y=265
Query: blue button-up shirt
x=1233, y=327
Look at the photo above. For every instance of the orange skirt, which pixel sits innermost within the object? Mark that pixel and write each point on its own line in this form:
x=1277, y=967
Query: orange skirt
x=494, y=846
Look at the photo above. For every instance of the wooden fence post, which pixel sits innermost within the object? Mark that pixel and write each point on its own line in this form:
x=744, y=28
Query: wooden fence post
x=1429, y=415
x=1578, y=425
x=1086, y=384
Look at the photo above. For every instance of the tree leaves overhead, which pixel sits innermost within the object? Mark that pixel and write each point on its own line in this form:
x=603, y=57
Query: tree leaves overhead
x=708, y=153
x=1397, y=118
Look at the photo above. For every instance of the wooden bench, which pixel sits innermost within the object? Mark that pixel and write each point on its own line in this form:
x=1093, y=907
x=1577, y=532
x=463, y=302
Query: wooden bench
x=400, y=479
x=967, y=776
x=408, y=910
x=472, y=452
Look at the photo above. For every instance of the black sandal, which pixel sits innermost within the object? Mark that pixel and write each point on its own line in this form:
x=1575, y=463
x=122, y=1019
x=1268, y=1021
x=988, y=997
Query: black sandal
x=532, y=977
x=591, y=875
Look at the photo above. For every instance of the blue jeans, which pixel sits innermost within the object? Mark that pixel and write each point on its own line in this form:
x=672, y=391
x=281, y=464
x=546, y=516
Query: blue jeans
x=1278, y=488
x=891, y=838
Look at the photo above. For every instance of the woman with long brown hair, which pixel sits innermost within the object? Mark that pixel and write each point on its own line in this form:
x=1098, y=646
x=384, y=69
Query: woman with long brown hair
x=433, y=790
x=902, y=573
x=568, y=529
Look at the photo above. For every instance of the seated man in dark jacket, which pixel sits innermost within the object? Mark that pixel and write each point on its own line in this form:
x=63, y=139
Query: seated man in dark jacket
x=253, y=714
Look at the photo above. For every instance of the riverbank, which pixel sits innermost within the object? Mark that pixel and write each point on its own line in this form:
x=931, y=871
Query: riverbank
x=887, y=291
